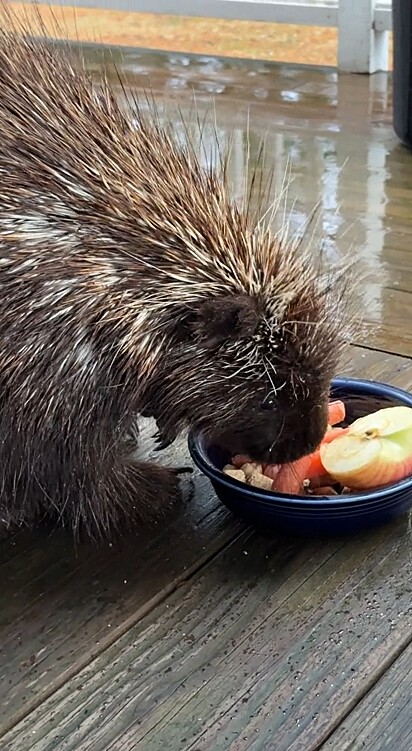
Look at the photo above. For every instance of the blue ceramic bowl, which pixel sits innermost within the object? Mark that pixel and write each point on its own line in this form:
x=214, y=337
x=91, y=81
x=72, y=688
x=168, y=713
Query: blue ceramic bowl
x=299, y=514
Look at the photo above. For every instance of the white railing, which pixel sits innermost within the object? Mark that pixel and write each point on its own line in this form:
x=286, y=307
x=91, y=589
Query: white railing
x=362, y=25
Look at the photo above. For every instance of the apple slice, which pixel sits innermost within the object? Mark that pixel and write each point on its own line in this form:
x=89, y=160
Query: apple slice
x=384, y=422
x=376, y=450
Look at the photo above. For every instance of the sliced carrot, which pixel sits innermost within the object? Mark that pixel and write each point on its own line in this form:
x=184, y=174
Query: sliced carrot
x=290, y=476
x=337, y=412
x=272, y=471
x=315, y=466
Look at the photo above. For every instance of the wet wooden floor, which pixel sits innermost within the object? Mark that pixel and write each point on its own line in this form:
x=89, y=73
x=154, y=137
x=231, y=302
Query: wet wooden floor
x=206, y=635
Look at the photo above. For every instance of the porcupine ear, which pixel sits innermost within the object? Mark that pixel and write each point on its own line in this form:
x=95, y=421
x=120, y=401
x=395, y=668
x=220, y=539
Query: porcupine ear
x=220, y=319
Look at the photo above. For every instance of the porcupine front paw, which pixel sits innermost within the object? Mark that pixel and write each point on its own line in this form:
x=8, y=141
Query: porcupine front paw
x=151, y=490
x=127, y=496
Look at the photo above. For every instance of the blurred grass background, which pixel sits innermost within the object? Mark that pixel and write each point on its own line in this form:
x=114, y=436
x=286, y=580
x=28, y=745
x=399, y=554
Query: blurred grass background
x=261, y=41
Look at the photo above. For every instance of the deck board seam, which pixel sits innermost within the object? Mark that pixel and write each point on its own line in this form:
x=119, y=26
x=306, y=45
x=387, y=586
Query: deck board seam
x=242, y=641
x=380, y=349
x=387, y=664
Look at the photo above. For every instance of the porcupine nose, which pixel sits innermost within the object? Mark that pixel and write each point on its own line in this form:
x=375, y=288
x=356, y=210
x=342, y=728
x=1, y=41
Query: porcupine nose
x=297, y=441
x=291, y=450
x=261, y=443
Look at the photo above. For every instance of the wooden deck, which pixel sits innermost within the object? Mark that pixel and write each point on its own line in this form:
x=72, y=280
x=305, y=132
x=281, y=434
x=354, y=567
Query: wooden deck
x=204, y=635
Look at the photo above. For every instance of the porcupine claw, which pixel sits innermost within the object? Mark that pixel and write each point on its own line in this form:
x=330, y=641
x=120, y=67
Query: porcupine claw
x=163, y=442
x=164, y=438
x=183, y=470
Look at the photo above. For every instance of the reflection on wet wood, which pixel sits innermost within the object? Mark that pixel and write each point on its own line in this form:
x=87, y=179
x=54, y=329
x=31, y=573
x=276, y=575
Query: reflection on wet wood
x=205, y=634
x=388, y=324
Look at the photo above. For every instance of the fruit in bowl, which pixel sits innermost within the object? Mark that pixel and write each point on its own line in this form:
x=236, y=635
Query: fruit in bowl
x=322, y=505
x=375, y=450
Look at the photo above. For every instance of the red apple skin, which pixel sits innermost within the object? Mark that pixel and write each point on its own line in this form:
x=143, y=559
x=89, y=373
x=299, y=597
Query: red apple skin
x=378, y=477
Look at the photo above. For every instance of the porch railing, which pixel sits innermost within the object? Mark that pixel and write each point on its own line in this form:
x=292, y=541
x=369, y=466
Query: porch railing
x=362, y=25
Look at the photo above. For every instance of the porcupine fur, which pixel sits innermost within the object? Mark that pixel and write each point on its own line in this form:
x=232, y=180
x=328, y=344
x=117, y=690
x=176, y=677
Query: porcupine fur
x=130, y=283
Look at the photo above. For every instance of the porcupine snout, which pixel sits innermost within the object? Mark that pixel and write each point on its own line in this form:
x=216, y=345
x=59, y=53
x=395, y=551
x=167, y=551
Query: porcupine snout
x=282, y=435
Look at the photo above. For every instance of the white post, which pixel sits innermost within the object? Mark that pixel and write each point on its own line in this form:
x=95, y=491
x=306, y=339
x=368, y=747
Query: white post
x=361, y=49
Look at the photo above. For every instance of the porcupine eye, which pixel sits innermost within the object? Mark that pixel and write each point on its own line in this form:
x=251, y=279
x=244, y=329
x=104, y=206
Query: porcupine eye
x=268, y=404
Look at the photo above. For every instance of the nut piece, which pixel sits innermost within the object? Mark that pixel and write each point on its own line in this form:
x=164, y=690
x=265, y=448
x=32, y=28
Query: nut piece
x=250, y=468
x=257, y=480
x=237, y=474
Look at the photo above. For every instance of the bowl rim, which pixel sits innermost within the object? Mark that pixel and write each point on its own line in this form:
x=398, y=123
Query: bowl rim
x=364, y=386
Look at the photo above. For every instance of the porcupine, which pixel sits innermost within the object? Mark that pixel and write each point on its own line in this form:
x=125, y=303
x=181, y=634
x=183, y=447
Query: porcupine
x=132, y=284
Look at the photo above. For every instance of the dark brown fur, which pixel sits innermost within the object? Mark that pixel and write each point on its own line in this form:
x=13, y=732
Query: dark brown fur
x=131, y=284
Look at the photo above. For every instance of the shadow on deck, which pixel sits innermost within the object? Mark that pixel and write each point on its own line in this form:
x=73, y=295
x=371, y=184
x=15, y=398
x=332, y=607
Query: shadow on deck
x=208, y=635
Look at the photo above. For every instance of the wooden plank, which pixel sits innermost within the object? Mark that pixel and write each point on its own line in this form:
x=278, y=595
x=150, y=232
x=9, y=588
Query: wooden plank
x=299, y=104
x=298, y=670
x=382, y=720
x=322, y=99
x=372, y=364
x=388, y=323
x=159, y=648
x=299, y=667
x=58, y=620
x=267, y=647
x=61, y=606
x=255, y=92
